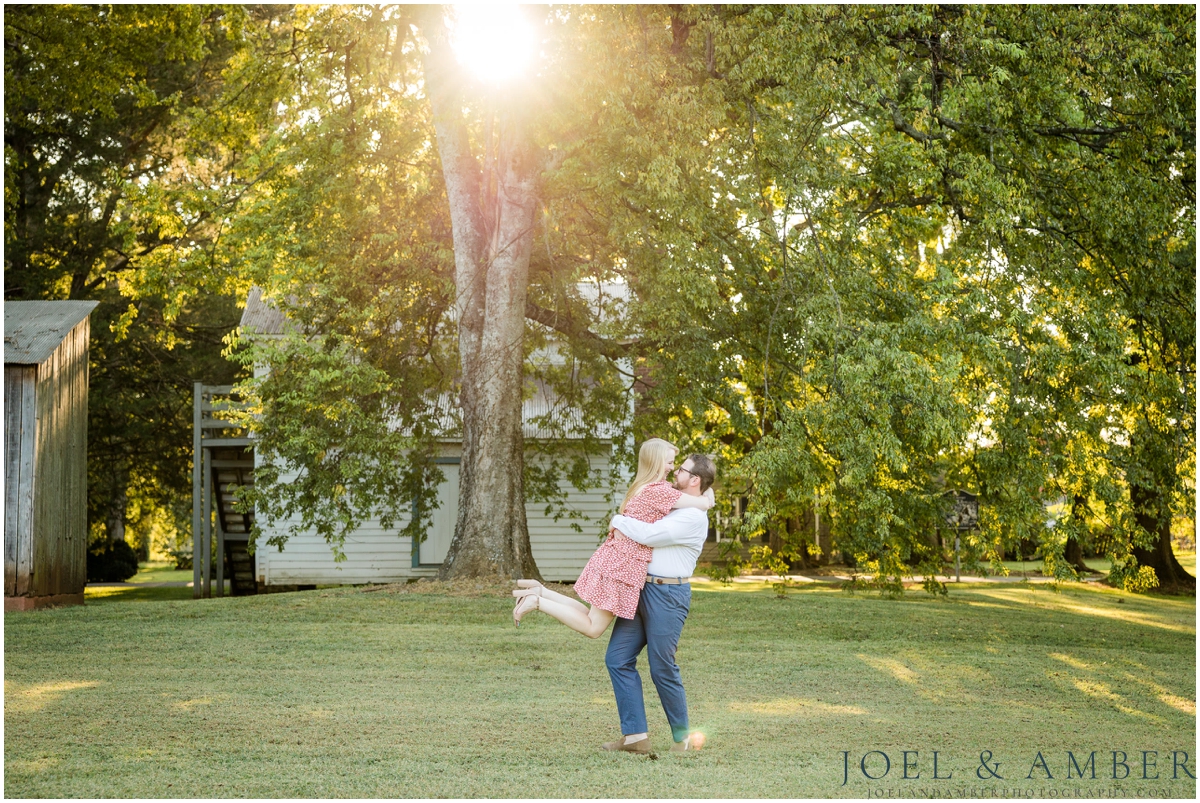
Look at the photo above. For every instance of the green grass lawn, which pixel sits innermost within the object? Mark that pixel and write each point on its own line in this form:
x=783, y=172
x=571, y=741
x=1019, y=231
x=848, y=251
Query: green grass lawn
x=103, y=595
x=426, y=691
x=1034, y=567
x=148, y=572
x=161, y=572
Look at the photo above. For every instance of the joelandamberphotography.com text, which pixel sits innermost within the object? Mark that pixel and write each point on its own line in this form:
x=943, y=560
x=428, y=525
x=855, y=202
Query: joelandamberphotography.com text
x=1010, y=792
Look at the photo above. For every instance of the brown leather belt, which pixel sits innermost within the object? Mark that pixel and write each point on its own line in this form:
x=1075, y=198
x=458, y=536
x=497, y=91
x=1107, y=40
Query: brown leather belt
x=666, y=581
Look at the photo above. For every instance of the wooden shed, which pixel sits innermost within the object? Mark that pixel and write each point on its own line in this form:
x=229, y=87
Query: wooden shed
x=45, y=452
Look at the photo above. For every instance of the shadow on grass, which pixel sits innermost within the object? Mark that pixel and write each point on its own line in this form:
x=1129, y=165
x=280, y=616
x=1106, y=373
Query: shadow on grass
x=1117, y=606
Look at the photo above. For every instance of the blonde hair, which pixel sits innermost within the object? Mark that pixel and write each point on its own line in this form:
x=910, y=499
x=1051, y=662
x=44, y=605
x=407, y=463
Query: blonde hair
x=652, y=466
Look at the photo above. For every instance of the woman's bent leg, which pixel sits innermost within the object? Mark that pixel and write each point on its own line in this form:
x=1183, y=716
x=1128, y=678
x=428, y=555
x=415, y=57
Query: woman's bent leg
x=591, y=623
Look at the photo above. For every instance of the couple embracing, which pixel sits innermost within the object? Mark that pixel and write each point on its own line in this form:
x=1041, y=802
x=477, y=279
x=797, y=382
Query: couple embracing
x=639, y=579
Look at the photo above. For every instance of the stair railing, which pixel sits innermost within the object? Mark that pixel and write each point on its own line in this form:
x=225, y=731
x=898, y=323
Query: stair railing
x=210, y=431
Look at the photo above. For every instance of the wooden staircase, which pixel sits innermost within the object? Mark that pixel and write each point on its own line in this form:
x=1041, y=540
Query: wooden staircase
x=234, y=466
x=239, y=565
x=222, y=458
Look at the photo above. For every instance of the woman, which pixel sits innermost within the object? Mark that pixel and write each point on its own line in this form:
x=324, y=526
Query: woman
x=613, y=578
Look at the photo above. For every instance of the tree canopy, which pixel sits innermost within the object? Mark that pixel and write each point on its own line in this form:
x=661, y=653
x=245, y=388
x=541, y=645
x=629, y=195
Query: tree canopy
x=958, y=252
x=872, y=254
x=120, y=129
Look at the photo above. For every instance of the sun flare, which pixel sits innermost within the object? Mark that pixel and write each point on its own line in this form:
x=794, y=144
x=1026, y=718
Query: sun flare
x=495, y=42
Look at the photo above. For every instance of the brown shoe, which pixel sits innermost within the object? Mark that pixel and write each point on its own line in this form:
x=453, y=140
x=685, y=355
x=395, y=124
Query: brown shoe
x=640, y=746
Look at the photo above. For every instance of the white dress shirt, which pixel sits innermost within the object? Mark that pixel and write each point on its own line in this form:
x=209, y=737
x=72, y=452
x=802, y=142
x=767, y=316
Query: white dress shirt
x=677, y=539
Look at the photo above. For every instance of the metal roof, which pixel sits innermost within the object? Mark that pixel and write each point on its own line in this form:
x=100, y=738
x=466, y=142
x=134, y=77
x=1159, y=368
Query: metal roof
x=34, y=329
x=543, y=415
x=260, y=316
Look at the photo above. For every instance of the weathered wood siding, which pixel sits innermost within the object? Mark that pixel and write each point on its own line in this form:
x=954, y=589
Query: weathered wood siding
x=20, y=429
x=48, y=526
x=375, y=555
x=60, y=483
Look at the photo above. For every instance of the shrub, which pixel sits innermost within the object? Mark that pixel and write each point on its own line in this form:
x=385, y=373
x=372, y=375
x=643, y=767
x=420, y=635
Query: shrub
x=1145, y=580
x=1128, y=576
x=777, y=563
x=114, y=564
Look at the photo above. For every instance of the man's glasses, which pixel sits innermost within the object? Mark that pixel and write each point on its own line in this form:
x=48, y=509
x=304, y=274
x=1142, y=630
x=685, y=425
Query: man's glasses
x=681, y=468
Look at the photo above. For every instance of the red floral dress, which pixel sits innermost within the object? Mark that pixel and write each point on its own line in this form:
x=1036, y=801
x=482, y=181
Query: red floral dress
x=613, y=577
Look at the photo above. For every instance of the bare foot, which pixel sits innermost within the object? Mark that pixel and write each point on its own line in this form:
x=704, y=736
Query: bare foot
x=528, y=584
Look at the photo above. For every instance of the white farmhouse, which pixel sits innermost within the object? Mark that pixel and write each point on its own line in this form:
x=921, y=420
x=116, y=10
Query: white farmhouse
x=378, y=555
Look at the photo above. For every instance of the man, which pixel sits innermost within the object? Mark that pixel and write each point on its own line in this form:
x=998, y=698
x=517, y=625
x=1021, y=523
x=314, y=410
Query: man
x=677, y=540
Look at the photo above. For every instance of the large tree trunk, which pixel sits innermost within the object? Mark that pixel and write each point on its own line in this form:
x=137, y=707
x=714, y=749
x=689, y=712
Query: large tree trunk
x=1073, y=553
x=1161, y=558
x=118, y=506
x=1152, y=511
x=493, y=237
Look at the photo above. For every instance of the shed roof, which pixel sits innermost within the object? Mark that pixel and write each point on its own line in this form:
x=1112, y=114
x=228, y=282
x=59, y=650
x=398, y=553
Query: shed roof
x=34, y=329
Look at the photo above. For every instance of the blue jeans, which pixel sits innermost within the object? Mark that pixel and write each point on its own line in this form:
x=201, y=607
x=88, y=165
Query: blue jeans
x=657, y=624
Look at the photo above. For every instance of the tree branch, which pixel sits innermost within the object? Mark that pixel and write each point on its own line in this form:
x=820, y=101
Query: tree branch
x=903, y=126
x=568, y=326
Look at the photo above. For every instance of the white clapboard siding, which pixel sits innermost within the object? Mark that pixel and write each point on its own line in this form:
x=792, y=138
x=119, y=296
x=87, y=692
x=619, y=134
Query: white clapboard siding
x=375, y=555
x=560, y=551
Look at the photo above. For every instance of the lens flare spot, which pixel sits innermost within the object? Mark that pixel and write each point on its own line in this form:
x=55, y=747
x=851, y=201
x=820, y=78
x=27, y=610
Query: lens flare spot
x=495, y=42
